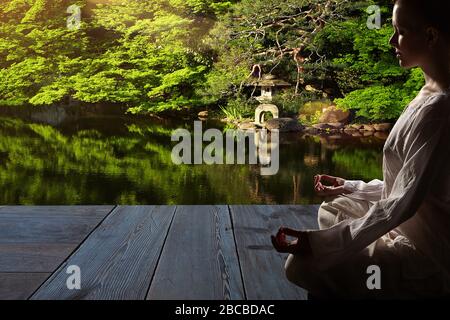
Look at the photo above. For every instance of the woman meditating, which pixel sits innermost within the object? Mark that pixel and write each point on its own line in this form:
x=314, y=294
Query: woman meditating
x=400, y=225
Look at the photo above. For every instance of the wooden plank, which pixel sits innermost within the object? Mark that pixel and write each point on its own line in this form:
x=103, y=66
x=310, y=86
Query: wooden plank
x=19, y=286
x=118, y=259
x=38, y=239
x=199, y=259
x=98, y=212
x=262, y=267
x=49, y=224
x=41, y=230
x=33, y=257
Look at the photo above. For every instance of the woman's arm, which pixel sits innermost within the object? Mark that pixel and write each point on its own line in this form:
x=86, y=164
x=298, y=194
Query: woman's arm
x=359, y=189
x=426, y=151
x=337, y=187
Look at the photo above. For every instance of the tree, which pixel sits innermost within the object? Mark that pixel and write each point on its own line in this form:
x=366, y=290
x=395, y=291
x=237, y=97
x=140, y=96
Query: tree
x=326, y=44
x=36, y=50
x=146, y=54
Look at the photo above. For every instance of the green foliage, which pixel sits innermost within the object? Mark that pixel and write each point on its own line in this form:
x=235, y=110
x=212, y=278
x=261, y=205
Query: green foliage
x=366, y=163
x=163, y=55
x=290, y=103
x=357, y=63
x=266, y=32
x=311, y=112
x=379, y=102
x=366, y=70
x=147, y=54
x=239, y=108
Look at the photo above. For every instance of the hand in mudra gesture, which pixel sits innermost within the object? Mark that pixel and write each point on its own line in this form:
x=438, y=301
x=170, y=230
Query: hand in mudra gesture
x=335, y=185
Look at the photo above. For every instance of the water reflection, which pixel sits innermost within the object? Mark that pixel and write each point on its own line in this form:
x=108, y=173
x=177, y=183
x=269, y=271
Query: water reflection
x=125, y=160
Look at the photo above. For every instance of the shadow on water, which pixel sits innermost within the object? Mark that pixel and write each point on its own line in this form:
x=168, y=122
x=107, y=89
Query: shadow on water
x=94, y=156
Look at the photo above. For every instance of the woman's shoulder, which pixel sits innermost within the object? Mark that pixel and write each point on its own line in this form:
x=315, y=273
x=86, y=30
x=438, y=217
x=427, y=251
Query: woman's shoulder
x=436, y=105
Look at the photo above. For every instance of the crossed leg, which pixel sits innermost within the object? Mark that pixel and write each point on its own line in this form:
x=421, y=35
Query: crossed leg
x=393, y=257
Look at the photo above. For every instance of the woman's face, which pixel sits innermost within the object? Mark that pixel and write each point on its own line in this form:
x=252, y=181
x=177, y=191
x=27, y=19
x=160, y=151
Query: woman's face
x=409, y=39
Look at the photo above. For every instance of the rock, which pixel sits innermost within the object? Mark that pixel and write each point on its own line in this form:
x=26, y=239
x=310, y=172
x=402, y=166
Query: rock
x=322, y=126
x=310, y=88
x=381, y=135
x=382, y=126
x=311, y=130
x=356, y=126
x=357, y=134
x=283, y=125
x=331, y=127
x=203, y=114
x=350, y=131
x=333, y=114
x=336, y=125
x=368, y=127
x=246, y=125
x=368, y=133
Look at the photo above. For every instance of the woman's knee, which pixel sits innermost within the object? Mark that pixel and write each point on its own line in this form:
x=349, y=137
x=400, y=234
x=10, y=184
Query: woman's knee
x=290, y=267
x=302, y=272
x=296, y=271
x=326, y=215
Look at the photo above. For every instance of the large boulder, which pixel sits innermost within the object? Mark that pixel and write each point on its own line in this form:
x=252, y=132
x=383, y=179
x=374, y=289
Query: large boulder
x=333, y=114
x=283, y=125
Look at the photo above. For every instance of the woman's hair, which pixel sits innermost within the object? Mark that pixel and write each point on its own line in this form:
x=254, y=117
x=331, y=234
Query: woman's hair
x=436, y=13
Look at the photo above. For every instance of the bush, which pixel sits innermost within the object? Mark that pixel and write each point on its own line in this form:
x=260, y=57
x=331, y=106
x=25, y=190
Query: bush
x=290, y=104
x=239, y=108
x=379, y=103
x=311, y=111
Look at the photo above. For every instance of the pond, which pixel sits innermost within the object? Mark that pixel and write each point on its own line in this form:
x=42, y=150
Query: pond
x=55, y=157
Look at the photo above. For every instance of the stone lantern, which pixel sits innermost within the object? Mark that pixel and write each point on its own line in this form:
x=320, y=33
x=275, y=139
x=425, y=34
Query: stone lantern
x=269, y=85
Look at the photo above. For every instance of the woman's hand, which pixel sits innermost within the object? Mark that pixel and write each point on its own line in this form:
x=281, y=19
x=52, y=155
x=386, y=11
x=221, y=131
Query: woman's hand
x=284, y=246
x=336, y=187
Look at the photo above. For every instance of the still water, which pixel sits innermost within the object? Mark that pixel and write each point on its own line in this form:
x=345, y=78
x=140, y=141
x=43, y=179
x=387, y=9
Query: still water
x=88, y=158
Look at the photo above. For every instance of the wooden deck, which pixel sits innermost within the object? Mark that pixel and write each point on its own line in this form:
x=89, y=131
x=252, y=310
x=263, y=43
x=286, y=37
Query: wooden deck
x=147, y=252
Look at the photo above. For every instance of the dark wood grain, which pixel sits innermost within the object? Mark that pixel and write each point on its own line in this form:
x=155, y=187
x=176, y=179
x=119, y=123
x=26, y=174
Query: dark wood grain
x=49, y=224
x=199, y=259
x=33, y=257
x=19, y=286
x=38, y=239
x=262, y=267
x=118, y=260
x=45, y=230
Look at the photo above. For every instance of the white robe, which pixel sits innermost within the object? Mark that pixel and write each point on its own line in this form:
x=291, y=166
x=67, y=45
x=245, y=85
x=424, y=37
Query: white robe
x=414, y=197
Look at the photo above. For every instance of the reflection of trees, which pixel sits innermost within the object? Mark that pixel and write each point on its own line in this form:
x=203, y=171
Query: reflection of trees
x=311, y=160
x=296, y=182
x=42, y=165
x=360, y=163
